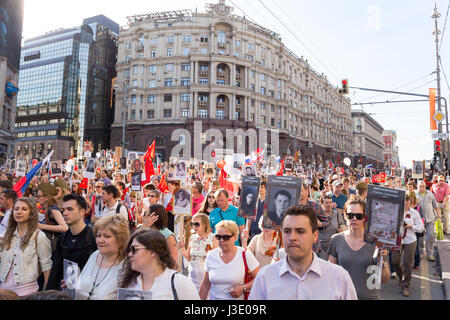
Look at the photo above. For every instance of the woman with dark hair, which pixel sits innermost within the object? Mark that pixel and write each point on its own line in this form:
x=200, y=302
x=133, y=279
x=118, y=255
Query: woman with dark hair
x=156, y=218
x=149, y=267
x=209, y=204
x=24, y=250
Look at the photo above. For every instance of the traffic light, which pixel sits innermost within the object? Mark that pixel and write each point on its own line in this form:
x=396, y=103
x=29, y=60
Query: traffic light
x=437, y=146
x=345, y=88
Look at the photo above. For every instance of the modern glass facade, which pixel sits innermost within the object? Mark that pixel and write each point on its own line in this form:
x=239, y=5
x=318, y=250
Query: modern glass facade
x=57, y=81
x=11, y=23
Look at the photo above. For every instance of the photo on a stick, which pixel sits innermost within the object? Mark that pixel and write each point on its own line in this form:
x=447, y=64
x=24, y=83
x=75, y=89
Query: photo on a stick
x=249, y=197
x=183, y=202
x=385, y=212
x=282, y=193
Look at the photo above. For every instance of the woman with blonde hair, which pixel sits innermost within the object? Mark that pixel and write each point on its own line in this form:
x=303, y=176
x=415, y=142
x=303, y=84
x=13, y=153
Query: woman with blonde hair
x=224, y=277
x=99, y=276
x=25, y=251
x=51, y=220
x=200, y=243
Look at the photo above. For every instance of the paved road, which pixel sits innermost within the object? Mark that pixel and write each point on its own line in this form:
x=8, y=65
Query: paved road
x=426, y=284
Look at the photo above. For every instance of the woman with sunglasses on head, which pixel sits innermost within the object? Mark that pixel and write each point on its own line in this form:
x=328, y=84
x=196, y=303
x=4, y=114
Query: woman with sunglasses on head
x=209, y=204
x=99, y=276
x=149, y=266
x=156, y=218
x=350, y=250
x=225, y=266
x=200, y=243
x=25, y=250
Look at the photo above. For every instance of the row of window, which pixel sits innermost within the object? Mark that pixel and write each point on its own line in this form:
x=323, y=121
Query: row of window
x=39, y=123
x=36, y=134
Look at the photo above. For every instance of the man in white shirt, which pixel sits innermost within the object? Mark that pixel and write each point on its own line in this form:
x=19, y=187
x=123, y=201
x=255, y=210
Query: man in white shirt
x=110, y=194
x=302, y=275
x=7, y=200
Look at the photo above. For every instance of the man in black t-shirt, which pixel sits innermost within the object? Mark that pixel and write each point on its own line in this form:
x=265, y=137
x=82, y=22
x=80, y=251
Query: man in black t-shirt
x=76, y=245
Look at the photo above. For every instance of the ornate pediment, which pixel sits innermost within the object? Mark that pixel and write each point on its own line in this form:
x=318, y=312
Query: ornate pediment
x=220, y=8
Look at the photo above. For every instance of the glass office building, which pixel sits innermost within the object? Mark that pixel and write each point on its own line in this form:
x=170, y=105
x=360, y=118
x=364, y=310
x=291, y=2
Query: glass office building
x=58, y=73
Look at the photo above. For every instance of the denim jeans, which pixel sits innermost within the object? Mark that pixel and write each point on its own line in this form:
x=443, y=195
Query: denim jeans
x=404, y=270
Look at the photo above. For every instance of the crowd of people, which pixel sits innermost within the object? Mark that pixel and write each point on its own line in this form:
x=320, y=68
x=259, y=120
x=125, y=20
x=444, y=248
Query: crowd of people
x=123, y=240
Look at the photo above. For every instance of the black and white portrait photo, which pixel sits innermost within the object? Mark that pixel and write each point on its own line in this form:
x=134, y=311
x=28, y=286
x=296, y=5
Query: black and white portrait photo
x=21, y=167
x=180, y=170
x=249, y=199
x=132, y=156
x=249, y=171
x=282, y=193
x=289, y=164
x=130, y=294
x=183, y=202
x=137, y=165
x=136, y=181
x=56, y=168
x=418, y=170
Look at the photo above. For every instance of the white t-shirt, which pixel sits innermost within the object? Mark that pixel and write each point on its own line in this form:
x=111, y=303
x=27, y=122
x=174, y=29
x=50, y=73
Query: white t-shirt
x=111, y=211
x=198, y=257
x=162, y=286
x=225, y=275
x=108, y=280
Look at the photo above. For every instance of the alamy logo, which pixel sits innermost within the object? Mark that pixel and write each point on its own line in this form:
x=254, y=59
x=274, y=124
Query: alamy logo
x=235, y=140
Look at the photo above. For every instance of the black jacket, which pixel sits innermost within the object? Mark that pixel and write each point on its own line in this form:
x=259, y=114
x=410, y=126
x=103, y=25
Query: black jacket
x=74, y=248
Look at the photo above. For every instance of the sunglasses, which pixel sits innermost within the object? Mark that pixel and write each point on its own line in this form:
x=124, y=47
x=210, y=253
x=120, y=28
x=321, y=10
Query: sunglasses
x=359, y=216
x=134, y=249
x=224, y=238
x=211, y=197
x=195, y=224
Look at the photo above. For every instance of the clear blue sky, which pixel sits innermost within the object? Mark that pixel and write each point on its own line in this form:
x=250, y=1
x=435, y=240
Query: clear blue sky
x=375, y=44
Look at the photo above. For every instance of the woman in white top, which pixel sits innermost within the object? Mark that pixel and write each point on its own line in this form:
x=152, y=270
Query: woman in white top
x=100, y=274
x=412, y=224
x=263, y=245
x=24, y=249
x=225, y=269
x=200, y=243
x=149, y=267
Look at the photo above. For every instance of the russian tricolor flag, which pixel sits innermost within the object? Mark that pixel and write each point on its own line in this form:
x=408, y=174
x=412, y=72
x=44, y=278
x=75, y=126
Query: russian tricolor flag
x=23, y=183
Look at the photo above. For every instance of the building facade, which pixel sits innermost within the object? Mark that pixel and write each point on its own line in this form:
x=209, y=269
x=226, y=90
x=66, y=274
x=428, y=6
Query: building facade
x=368, y=141
x=66, y=90
x=11, y=23
x=390, y=149
x=178, y=69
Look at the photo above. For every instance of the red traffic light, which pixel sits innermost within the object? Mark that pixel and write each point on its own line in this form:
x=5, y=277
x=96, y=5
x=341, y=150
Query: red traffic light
x=437, y=142
x=344, y=82
x=438, y=148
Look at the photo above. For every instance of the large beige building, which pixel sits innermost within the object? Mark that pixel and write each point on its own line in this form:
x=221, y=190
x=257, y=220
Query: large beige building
x=368, y=140
x=390, y=149
x=175, y=68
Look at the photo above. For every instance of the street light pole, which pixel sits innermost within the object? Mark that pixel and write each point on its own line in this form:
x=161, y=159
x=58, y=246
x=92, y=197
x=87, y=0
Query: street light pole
x=436, y=33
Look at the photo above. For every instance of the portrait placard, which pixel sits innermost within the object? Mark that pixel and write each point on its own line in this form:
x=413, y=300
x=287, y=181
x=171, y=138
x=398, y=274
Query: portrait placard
x=282, y=193
x=385, y=211
x=368, y=172
x=249, y=197
x=238, y=163
x=248, y=171
x=90, y=169
x=71, y=274
x=183, y=202
x=123, y=165
x=418, y=171
x=180, y=172
x=289, y=163
x=56, y=168
x=136, y=165
x=130, y=294
x=136, y=179
x=132, y=156
x=21, y=168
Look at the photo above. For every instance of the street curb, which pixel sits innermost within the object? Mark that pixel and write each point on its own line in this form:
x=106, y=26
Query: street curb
x=443, y=248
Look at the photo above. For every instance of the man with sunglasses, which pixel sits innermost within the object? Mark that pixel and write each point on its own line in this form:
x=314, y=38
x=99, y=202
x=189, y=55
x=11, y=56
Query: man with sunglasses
x=301, y=275
x=97, y=202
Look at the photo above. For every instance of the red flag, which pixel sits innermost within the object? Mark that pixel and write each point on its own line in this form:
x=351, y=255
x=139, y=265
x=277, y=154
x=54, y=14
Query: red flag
x=379, y=178
x=149, y=171
x=151, y=150
x=159, y=169
x=83, y=184
x=124, y=193
x=163, y=185
x=280, y=172
x=224, y=183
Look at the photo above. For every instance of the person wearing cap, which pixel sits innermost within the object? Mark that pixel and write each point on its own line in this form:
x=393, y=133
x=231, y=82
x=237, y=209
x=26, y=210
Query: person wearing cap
x=51, y=220
x=63, y=188
x=337, y=196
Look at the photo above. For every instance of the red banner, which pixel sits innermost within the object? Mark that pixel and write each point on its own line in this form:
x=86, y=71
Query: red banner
x=379, y=178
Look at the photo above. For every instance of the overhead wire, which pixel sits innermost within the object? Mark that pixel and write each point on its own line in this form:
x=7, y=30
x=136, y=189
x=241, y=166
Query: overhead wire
x=445, y=24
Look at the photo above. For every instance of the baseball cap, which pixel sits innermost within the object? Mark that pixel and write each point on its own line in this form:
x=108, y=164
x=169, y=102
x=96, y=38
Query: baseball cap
x=336, y=183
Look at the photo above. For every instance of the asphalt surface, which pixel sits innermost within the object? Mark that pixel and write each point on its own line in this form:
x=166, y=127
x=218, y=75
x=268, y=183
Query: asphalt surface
x=426, y=283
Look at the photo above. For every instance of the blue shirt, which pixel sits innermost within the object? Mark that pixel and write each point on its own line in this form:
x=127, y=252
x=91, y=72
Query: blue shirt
x=218, y=215
x=340, y=201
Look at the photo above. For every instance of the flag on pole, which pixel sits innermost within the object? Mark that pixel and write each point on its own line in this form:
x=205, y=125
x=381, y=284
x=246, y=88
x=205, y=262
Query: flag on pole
x=23, y=183
x=163, y=185
x=224, y=183
x=148, y=164
x=151, y=150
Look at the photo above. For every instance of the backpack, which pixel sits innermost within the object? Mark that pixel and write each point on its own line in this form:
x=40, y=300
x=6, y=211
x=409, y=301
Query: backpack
x=131, y=220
